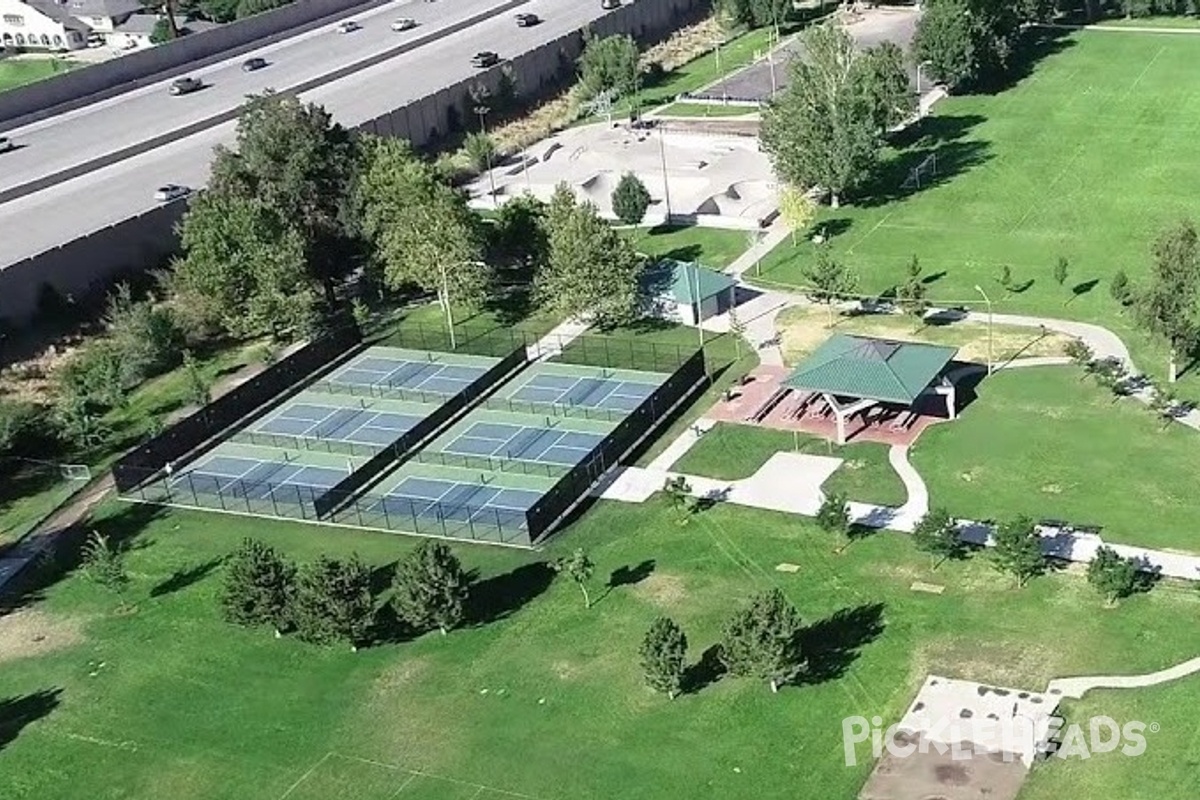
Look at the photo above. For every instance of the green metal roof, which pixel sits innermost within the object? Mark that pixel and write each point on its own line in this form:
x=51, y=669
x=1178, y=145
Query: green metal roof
x=684, y=280
x=875, y=369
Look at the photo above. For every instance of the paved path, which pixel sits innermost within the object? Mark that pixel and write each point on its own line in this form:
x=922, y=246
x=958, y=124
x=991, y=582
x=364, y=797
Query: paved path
x=1077, y=687
x=553, y=342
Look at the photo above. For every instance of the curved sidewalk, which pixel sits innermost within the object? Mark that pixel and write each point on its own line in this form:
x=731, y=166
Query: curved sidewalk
x=1078, y=687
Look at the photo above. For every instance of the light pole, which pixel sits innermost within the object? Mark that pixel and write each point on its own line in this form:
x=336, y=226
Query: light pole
x=481, y=111
x=446, y=304
x=920, y=64
x=662, y=154
x=987, y=300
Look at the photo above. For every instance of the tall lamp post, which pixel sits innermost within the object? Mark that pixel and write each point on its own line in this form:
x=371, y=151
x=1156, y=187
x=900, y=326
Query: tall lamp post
x=446, y=305
x=920, y=86
x=481, y=112
x=988, y=301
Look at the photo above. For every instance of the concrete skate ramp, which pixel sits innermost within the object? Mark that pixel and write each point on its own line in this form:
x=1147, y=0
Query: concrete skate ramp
x=740, y=199
x=599, y=187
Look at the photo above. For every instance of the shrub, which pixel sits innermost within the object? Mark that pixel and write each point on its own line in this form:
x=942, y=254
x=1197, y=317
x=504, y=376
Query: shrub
x=147, y=337
x=480, y=149
x=95, y=374
x=1119, y=288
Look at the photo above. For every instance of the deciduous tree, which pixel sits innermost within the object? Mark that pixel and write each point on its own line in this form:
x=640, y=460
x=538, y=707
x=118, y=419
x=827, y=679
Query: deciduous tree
x=833, y=516
x=1114, y=577
x=578, y=567
x=678, y=491
x=608, y=64
x=1167, y=306
x=431, y=587
x=104, y=564
x=1018, y=550
x=936, y=533
x=664, y=654
x=763, y=640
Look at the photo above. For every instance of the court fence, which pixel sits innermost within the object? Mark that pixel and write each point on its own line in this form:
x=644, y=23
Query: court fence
x=470, y=339
x=289, y=501
x=344, y=491
x=490, y=463
x=497, y=403
x=192, y=431
x=314, y=444
x=572, y=487
x=597, y=349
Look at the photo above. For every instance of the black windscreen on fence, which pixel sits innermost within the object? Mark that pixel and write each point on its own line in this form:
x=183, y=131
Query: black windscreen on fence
x=344, y=491
x=571, y=487
x=193, y=431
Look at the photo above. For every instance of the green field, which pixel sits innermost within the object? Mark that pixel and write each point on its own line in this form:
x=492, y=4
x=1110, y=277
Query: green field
x=18, y=72
x=541, y=697
x=732, y=452
x=1087, y=158
x=712, y=247
x=1048, y=443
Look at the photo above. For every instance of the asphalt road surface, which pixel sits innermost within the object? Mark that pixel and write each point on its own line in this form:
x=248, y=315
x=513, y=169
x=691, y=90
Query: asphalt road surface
x=77, y=207
x=77, y=137
x=755, y=82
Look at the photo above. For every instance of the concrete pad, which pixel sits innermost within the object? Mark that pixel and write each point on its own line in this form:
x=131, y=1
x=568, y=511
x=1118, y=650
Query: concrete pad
x=787, y=482
x=929, y=588
x=788, y=568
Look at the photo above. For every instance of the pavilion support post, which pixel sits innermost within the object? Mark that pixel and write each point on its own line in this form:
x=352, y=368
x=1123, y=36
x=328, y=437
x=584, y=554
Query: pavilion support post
x=842, y=413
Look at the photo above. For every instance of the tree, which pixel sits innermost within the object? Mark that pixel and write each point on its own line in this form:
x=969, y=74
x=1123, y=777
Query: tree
x=829, y=280
x=423, y=231
x=431, y=588
x=1114, y=577
x=146, y=336
x=1018, y=550
x=480, y=149
x=756, y=13
x=1163, y=403
x=163, y=31
x=244, y=267
x=945, y=39
x=664, y=654
x=198, y=391
x=294, y=160
x=332, y=601
x=1119, y=288
x=630, y=200
x=518, y=231
x=1004, y=277
x=104, y=564
x=79, y=422
x=826, y=128
x=795, y=209
x=884, y=83
x=911, y=293
x=95, y=374
x=1167, y=306
x=678, y=491
x=738, y=328
x=762, y=640
x=578, y=567
x=833, y=516
x=1061, y=269
x=936, y=533
x=973, y=42
x=590, y=268
x=608, y=64
x=258, y=586
x=1080, y=354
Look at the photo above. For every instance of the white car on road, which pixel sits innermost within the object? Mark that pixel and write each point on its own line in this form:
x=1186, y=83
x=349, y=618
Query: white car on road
x=349, y=26
x=404, y=24
x=171, y=192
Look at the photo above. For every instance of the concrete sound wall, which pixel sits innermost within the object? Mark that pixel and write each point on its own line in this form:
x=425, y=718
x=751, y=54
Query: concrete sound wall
x=89, y=264
x=80, y=87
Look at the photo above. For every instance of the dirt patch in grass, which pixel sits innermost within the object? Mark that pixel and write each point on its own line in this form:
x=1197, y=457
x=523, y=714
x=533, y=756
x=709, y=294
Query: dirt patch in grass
x=1012, y=663
x=662, y=589
x=29, y=633
x=399, y=677
x=803, y=328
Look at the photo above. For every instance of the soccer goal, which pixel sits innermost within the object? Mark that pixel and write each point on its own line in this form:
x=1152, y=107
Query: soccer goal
x=922, y=173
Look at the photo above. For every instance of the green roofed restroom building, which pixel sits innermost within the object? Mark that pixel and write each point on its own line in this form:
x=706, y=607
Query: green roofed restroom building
x=685, y=291
x=854, y=373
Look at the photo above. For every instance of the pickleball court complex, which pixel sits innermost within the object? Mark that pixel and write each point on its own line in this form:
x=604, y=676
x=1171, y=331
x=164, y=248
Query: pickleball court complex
x=438, y=443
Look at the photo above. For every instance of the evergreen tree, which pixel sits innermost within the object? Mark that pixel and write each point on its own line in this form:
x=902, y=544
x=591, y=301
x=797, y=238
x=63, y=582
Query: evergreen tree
x=431, y=587
x=834, y=515
x=258, y=586
x=332, y=601
x=630, y=200
x=762, y=640
x=663, y=652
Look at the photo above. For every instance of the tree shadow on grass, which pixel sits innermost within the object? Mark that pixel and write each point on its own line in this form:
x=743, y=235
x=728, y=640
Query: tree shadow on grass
x=629, y=576
x=892, y=183
x=1034, y=45
x=831, y=645
x=183, y=578
x=502, y=595
x=17, y=712
x=705, y=672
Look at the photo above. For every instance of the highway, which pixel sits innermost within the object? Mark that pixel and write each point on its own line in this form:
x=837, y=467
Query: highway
x=80, y=136
x=77, y=207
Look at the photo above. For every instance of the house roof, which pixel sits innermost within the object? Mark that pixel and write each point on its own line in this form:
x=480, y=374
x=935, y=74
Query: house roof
x=869, y=368
x=52, y=9
x=113, y=9
x=685, y=280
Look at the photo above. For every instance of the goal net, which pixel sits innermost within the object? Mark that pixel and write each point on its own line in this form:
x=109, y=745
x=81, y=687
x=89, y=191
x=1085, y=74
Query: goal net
x=922, y=173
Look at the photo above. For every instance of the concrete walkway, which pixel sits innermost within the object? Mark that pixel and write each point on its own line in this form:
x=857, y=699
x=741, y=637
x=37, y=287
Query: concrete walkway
x=1078, y=687
x=559, y=337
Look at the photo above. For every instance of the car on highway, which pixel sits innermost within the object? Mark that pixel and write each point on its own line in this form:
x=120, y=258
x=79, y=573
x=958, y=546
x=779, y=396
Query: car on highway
x=404, y=24
x=609, y=5
x=6, y=144
x=171, y=192
x=527, y=20
x=252, y=64
x=186, y=85
x=349, y=26
x=484, y=59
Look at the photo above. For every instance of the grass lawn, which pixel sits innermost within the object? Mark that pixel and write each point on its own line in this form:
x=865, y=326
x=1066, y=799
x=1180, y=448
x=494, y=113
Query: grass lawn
x=731, y=452
x=1047, y=443
x=685, y=109
x=804, y=328
x=1152, y=22
x=712, y=247
x=1019, y=174
x=169, y=701
x=18, y=72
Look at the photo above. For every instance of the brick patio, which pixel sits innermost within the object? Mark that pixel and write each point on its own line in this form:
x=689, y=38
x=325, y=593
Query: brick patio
x=764, y=381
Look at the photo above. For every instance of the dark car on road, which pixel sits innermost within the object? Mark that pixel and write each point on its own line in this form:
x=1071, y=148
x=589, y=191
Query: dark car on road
x=252, y=64
x=186, y=85
x=527, y=20
x=484, y=59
